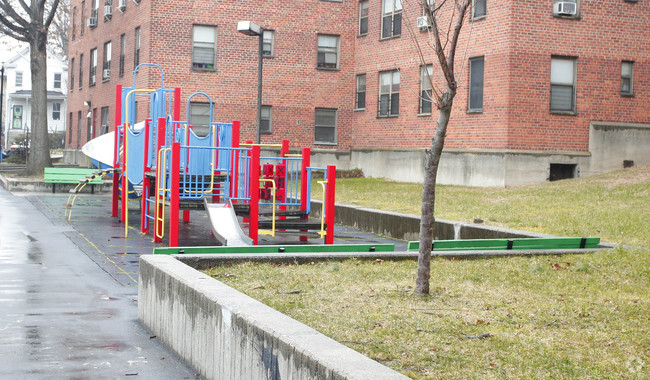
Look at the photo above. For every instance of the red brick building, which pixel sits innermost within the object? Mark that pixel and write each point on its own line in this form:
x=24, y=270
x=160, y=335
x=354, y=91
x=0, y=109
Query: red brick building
x=546, y=88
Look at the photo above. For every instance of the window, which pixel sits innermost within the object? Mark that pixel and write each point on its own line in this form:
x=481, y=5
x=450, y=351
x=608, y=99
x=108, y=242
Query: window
x=363, y=17
x=17, y=117
x=74, y=23
x=479, y=9
x=57, y=80
x=391, y=20
x=93, y=67
x=136, y=55
x=70, y=128
x=265, y=121
x=81, y=70
x=108, y=6
x=71, y=74
x=204, y=48
x=19, y=79
x=56, y=111
x=325, y=126
x=388, y=93
x=426, y=73
x=328, y=52
x=122, y=53
x=89, y=126
x=563, y=85
x=95, y=10
x=83, y=17
x=79, y=123
x=475, y=96
x=200, y=118
x=267, y=43
x=104, y=116
x=627, y=74
x=360, y=102
x=106, y=68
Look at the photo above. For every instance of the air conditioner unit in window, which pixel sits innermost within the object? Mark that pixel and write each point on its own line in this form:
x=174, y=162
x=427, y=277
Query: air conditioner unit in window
x=92, y=22
x=107, y=73
x=121, y=5
x=564, y=8
x=423, y=22
x=93, y=79
x=108, y=10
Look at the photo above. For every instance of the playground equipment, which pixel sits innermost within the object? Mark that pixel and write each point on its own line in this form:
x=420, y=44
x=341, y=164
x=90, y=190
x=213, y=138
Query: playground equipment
x=175, y=169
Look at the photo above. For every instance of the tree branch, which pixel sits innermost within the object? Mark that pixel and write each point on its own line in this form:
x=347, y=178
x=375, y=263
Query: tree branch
x=50, y=17
x=20, y=23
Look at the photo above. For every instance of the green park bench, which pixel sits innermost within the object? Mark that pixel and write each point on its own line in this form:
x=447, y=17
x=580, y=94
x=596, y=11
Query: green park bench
x=510, y=244
x=73, y=176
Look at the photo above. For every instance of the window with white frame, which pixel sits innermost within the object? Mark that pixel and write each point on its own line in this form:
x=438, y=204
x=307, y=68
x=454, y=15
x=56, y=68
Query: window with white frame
x=328, y=51
x=200, y=118
x=479, y=9
x=19, y=79
x=627, y=76
x=108, y=52
x=56, y=111
x=388, y=93
x=57, y=80
x=93, y=67
x=363, y=17
x=204, y=47
x=265, y=120
x=268, y=39
x=475, y=97
x=426, y=73
x=391, y=18
x=360, y=102
x=325, y=126
x=563, y=84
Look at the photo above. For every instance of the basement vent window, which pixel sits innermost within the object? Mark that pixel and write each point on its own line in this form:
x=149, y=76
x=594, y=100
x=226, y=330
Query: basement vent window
x=562, y=171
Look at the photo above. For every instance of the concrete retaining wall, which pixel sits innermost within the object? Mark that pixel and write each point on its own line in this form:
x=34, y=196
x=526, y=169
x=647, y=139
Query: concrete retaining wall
x=225, y=334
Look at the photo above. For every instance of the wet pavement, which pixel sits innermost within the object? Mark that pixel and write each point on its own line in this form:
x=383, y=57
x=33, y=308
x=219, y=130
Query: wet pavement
x=68, y=288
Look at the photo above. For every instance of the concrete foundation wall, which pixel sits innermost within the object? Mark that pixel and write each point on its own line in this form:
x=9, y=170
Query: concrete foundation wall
x=612, y=143
x=225, y=334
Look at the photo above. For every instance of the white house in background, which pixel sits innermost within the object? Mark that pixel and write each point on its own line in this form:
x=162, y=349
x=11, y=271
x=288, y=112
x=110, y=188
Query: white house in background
x=18, y=102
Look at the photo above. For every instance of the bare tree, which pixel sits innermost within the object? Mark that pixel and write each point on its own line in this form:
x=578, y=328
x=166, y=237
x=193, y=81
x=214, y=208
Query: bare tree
x=445, y=19
x=30, y=23
x=58, y=39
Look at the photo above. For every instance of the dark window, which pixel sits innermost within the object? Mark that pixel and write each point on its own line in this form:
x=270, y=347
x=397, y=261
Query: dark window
x=265, y=122
x=562, y=171
x=71, y=74
x=325, y=126
x=83, y=17
x=104, y=120
x=136, y=54
x=627, y=76
x=425, y=89
x=56, y=111
x=476, y=66
x=479, y=8
x=81, y=70
x=79, y=124
x=204, y=47
x=328, y=52
x=563, y=85
x=389, y=93
x=122, y=53
x=391, y=20
x=360, y=102
x=363, y=17
x=70, y=129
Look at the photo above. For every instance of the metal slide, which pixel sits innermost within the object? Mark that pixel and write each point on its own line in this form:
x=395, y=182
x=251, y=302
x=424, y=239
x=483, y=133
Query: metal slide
x=225, y=225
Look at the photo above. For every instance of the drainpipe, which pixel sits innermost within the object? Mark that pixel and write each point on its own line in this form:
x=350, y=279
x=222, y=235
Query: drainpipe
x=2, y=98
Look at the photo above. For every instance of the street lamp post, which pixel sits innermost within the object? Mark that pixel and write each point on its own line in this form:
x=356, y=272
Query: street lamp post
x=249, y=28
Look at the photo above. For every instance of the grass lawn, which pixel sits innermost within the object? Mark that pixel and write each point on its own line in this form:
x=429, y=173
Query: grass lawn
x=572, y=316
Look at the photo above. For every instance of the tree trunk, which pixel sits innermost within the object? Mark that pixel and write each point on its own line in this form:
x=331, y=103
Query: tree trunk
x=39, y=150
x=427, y=220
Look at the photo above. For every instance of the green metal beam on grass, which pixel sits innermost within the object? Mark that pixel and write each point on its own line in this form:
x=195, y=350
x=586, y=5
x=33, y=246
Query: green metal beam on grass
x=507, y=244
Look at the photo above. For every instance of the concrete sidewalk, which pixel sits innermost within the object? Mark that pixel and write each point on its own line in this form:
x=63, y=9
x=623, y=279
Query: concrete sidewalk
x=62, y=315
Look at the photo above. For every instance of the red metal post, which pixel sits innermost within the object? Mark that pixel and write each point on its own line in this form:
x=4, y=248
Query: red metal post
x=284, y=151
x=304, y=196
x=146, y=182
x=329, y=203
x=177, y=104
x=116, y=149
x=174, y=194
x=234, y=163
x=254, y=193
